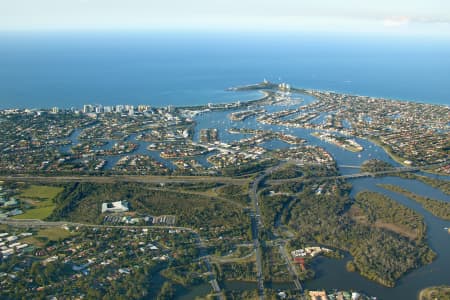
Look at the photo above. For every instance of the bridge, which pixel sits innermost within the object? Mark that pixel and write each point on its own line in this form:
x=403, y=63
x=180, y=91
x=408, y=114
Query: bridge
x=291, y=267
x=380, y=173
x=349, y=166
x=348, y=176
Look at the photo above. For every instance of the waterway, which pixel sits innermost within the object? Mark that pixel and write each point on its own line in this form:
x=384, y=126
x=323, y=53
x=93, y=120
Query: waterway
x=330, y=273
x=235, y=285
x=221, y=121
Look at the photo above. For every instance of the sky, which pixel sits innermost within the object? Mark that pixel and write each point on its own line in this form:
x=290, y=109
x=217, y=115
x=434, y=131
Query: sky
x=409, y=17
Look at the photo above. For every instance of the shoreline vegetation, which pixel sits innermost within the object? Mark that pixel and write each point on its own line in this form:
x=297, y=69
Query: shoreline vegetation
x=356, y=226
x=375, y=165
x=435, y=292
x=438, y=208
x=379, y=212
x=385, y=239
x=440, y=184
x=387, y=149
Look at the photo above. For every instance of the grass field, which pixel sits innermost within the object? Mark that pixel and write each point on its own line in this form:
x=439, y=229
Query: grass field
x=41, y=192
x=54, y=233
x=49, y=234
x=43, y=206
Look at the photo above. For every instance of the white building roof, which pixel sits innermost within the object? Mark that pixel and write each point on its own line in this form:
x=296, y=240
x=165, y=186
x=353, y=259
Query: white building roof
x=118, y=206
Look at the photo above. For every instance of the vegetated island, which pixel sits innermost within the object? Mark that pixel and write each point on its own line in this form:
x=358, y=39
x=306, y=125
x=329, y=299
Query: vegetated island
x=385, y=239
x=375, y=165
x=435, y=292
x=304, y=209
x=380, y=212
x=438, y=208
x=443, y=185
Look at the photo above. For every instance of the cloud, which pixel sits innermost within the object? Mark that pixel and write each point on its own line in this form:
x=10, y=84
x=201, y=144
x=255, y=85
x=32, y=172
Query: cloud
x=399, y=21
x=429, y=20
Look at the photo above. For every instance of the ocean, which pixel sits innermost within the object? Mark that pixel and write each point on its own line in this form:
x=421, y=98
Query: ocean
x=69, y=69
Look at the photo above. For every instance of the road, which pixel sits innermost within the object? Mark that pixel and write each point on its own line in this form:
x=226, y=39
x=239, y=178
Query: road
x=127, y=178
x=212, y=279
x=257, y=223
x=291, y=267
x=40, y=223
x=349, y=176
x=203, y=254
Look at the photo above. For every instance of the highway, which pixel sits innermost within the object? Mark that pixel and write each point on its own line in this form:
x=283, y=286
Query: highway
x=349, y=176
x=256, y=221
x=40, y=223
x=126, y=178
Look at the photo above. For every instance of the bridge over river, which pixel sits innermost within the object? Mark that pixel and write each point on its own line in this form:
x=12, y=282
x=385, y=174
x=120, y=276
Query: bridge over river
x=348, y=176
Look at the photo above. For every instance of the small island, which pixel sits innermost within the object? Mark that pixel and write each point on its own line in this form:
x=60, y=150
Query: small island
x=340, y=141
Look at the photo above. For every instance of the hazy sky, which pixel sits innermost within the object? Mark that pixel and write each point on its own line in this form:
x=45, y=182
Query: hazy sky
x=401, y=16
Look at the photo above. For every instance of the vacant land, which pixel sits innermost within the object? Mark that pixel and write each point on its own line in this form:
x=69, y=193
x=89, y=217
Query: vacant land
x=48, y=234
x=41, y=199
x=382, y=212
x=41, y=192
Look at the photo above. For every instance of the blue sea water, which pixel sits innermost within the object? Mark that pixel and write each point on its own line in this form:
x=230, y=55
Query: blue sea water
x=69, y=69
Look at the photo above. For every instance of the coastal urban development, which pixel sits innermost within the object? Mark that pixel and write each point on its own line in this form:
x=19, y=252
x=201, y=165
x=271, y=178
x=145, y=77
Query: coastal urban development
x=218, y=201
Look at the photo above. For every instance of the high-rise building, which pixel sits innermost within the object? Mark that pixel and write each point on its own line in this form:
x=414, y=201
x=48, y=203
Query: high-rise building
x=87, y=108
